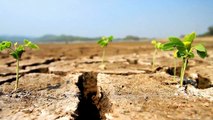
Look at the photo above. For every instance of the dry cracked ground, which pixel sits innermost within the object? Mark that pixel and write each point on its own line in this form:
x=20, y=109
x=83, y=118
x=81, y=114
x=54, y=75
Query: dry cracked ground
x=65, y=82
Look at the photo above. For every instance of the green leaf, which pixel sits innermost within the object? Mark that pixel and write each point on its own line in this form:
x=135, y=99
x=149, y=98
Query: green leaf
x=110, y=38
x=189, y=37
x=20, y=48
x=202, y=54
x=182, y=53
x=176, y=41
x=29, y=44
x=14, y=54
x=33, y=46
x=191, y=55
x=104, y=41
x=26, y=42
x=154, y=42
x=100, y=41
x=5, y=45
x=159, y=45
x=18, y=52
x=179, y=54
x=200, y=48
x=168, y=46
x=187, y=45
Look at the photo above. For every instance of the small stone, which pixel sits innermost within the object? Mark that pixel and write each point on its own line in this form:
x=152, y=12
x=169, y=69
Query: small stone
x=103, y=66
x=176, y=94
x=108, y=116
x=14, y=95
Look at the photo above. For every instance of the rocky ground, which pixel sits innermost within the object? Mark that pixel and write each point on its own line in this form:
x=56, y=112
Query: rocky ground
x=65, y=82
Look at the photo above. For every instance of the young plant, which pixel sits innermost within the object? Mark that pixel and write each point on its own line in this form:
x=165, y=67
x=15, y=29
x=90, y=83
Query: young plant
x=103, y=42
x=157, y=46
x=185, y=50
x=16, y=52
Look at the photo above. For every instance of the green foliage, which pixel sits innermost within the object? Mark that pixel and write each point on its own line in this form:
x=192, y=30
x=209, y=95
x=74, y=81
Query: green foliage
x=29, y=44
x=201, y=50
x=104, y=41
x=157, y=45
x=184, y=48
x=4, y=45
x=17, y=53
x=17, y=50
x=190, y=37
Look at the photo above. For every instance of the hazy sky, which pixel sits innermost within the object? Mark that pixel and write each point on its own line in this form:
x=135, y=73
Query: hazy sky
x=144, y=18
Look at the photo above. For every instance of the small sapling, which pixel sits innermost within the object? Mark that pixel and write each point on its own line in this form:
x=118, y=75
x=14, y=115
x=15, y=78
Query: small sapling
x=16, y=52
x=157, y=46
x=103, y=42
x=185, y=50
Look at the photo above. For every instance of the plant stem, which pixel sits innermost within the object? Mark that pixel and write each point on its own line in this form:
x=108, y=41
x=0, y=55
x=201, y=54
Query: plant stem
x=153, y=58
x=175, y=67
x=103, y=56
x=183, y=71
x=17, y=74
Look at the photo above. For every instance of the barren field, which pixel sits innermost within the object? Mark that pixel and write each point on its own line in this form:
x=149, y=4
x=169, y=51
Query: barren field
x=65, y=82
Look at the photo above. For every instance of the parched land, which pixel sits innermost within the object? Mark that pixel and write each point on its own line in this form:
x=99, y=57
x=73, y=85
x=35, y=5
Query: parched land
x=64, y=82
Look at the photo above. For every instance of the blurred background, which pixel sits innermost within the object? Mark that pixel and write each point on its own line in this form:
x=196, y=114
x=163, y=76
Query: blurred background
x=87, y=20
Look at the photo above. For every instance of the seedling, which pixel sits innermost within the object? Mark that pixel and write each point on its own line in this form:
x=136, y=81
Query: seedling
x=185, y=50
x=16, y=52
x=157, y=46
x=103, y=42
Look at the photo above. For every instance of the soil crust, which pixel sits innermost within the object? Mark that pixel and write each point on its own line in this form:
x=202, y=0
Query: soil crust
x=65, y=82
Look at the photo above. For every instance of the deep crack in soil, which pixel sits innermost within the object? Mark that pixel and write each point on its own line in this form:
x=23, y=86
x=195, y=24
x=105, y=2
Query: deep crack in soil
x=93, y=101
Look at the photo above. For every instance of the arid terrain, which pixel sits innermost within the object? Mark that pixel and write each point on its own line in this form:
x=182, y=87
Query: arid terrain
x=64, y=82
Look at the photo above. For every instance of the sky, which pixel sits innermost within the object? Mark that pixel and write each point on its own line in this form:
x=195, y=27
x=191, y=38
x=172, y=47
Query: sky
x=93, y=18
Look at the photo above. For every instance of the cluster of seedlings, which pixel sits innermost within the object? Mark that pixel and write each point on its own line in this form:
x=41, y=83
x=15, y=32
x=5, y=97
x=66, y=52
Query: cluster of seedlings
x=94, y=102
x=183, y=49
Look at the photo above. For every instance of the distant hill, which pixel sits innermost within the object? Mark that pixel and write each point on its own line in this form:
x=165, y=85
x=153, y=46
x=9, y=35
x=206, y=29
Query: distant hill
x=47, y=38
x=15, y=38
x=63, y=38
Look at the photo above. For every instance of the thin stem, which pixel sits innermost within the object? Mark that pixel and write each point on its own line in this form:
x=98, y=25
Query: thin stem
x=17, y=74
x=175, y=67
x=153, y=58
x=103, y=56
x=183, y=71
